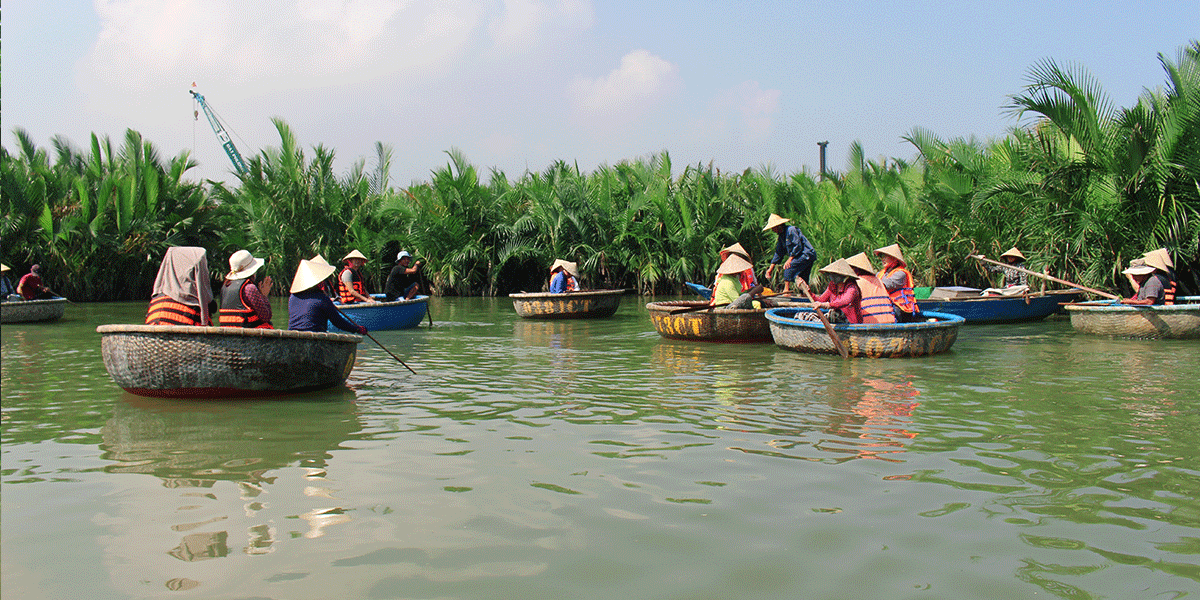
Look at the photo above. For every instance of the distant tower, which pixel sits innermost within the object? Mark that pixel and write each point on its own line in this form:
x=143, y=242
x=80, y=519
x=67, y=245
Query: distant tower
x=822, y=145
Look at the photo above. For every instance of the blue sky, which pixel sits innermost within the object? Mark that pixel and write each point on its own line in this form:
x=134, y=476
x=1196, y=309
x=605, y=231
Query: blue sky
x=518, y=84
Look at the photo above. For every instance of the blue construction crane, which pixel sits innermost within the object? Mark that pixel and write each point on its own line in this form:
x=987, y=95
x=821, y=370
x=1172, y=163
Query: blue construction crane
x=226, y=143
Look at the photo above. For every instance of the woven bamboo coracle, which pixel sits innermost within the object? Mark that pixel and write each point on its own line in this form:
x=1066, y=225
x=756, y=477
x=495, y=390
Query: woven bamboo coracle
x=715, y=325
x=214, y=362
x=572, y=305
x=1180, y=320
x=873, y=341
x=28, y=311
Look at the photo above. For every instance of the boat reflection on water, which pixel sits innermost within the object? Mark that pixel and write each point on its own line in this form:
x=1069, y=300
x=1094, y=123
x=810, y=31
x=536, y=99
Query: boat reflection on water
x=225, y=471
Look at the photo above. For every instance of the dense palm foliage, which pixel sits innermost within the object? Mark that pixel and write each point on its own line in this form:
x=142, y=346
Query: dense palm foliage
x=1080, y=185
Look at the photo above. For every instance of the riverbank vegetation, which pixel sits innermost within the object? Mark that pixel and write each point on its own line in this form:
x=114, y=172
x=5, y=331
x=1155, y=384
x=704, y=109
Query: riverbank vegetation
x=1079, y=185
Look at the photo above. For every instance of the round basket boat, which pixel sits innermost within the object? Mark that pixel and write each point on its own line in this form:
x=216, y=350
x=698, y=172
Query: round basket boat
x=595, y=304
x=1105, y=317
x=386, y=316
x=221, y=362
x=29, y=311
x=716, y=325
x=890, y=340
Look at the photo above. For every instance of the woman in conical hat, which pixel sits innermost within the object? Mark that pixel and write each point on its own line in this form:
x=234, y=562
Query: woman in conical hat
x=6, y=287
x=563, y=277
x=898, y=281
x=875, y=303
x=1012, y=277
x=746, y=277
x=842, y=295
x=352, y=287
x=728, y=289
x=309, y=308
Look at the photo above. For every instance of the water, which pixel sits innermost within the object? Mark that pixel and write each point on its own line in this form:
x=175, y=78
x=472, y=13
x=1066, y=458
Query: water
x=533, y=459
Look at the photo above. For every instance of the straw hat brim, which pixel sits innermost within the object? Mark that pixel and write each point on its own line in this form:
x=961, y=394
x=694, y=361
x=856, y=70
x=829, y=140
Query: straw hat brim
x=353, y=254
x=734, y=264
x=892, y=251
x=775, y=220
x=1139, y=270
x=309, y=274
x=1013, y=252
x=246, y=271
x=861, y=261
x=840, y=267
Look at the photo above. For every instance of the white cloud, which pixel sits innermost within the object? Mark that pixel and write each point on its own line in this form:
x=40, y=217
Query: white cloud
x=641, y=81
x=525, y=23
x=751, y=107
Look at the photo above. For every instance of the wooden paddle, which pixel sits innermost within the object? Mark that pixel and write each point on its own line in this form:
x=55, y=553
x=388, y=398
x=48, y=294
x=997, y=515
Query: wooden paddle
x=837, y=342
x=368, y=334
x=981, y=257
x=428, y=292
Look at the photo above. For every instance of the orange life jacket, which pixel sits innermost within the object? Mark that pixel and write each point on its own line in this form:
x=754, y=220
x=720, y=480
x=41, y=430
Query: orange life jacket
x=876, y=303
x=235, y=311
x=902, y=296
x=344, y=292
x=1168, y=290
x=164, y=310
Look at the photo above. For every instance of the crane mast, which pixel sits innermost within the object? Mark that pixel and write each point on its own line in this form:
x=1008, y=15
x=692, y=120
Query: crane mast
x=234, y=156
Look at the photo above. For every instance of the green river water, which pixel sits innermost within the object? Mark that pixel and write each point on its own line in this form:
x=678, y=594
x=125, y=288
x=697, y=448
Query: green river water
x=593, y=459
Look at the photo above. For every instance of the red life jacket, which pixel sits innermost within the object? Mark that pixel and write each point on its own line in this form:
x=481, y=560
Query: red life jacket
x=876, y=303
x=902, y=296
x=164, y=310
x=236, y=311
x=344, y=292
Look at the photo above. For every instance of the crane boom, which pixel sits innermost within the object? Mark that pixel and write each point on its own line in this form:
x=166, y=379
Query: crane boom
x=234, y=156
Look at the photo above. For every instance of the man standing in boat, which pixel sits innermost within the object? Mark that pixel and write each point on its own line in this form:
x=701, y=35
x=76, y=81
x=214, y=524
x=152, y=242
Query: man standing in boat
x=790, y=243
x=351, y=286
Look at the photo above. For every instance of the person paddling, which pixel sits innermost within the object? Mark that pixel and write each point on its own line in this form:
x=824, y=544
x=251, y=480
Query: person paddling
x=243, y=298
x=1152, y=281
x=899, y=282
x=30, y=287
x=351, y=285
x=309, y=307
x=404, y=281
x=182, y=291
x=841, y=297
x=1015, y=281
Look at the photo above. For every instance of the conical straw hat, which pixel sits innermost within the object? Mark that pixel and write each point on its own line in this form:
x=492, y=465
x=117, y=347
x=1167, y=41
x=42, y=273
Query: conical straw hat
x=558, y=263
x=570, y=267
x=309, y=274
x=774, y=220
x=734, y=264
x=737, y=249
x=242, y=265
x=861, y=261
x=1160, y=258
x=1013, y=252
x=353, y=254
x=320, y=260
x=892, y=251
x=4, y=268
x=840, y=267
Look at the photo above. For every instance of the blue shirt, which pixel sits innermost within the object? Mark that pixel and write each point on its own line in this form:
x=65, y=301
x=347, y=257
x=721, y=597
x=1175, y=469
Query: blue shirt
x=558, y=283
x=792, y=243
x=311, y=309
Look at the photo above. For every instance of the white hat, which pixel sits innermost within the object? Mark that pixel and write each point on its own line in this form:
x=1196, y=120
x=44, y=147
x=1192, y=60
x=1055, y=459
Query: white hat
x=567, y=266
x=320, y=260
x=734, y=264
x=4, y=267
x=737, y=249
x=1139, y=270
x=242, y=265
x=774, y=220
x=403, y=255
x=310, y=273
x=353, y=254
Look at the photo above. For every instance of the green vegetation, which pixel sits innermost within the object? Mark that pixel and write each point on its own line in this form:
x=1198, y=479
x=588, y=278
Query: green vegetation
x=1080, y=186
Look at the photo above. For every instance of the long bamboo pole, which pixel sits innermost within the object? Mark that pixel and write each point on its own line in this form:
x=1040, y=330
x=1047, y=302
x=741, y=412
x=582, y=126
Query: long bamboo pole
x=982, y=258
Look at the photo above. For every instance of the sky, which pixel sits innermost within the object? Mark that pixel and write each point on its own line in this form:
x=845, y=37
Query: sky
x=517, y=85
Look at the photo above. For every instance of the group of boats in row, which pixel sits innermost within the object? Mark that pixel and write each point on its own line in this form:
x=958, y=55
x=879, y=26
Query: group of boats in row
x=214, y=362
